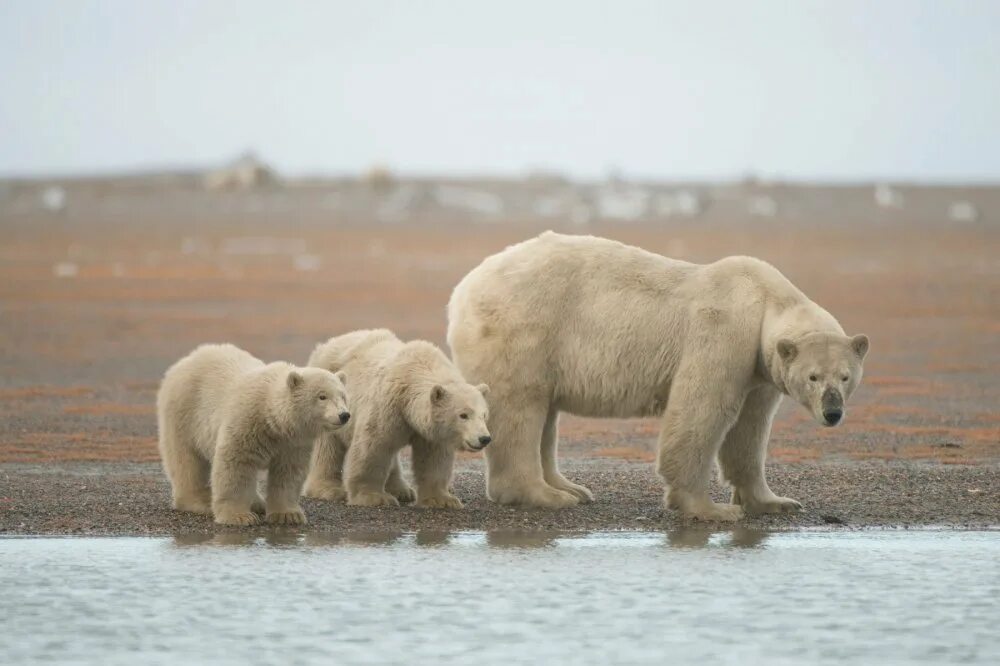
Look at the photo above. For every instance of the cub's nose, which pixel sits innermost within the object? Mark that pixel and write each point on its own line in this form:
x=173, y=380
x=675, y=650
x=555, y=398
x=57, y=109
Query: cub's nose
x=484, y=440
x=344, y=417
x=833, y=416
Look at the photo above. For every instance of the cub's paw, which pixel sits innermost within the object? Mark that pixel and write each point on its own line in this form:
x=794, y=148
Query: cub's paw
x=440, y=502
x=403, y=493
x=775, y=505
x=373, y=499
x=293, y=517
x=330, y=493
x=242, y=518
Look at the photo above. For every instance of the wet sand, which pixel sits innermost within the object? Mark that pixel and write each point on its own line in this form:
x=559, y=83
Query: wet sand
x=98, y=299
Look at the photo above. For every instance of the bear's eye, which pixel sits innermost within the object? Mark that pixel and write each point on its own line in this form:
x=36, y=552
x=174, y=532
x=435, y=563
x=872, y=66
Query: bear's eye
x=322, y=396
x=844, y=378
x=464, y=417
x=813, y=378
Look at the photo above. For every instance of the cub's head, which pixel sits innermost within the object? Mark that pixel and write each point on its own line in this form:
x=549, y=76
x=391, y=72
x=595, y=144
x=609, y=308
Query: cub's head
x=319, y=397
x=459, y=414
x=821, y=371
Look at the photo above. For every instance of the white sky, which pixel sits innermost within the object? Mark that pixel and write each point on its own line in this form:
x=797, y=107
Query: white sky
x=796, y=89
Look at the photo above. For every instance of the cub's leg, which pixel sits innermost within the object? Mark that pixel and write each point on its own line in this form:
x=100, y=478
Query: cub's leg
x=326, y=472
x=550, y=466
x=432, y=470
x=234, y=485
x=396, y=485
x=187, y=470
x=284, y=484
x=744, y=450
x=366, y=470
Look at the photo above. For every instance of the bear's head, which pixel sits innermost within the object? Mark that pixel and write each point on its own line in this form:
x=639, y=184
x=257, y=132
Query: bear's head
x=318, y=397
x=459, y=413
x=821, y=371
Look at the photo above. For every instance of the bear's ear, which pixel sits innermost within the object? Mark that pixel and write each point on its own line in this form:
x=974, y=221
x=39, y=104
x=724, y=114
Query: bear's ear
x=484, y=389
x=438, y=394
x=294, y=380
x=342, y=376
x=787, y=350
x=859, y=343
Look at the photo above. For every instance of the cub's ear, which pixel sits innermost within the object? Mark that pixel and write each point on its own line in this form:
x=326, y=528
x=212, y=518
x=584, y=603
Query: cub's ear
x=438, y=394
x=294, y=380
x=484, y=389
x=342, y=376
x=859, y=343
x=787, y=350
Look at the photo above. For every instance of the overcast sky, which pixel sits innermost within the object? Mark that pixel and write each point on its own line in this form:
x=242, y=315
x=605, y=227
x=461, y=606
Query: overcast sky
x=797, y=89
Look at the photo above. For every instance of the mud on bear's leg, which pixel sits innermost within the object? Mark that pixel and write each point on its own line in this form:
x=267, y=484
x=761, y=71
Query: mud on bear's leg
x=744, y=449
x=326, y=470
x=550, y=465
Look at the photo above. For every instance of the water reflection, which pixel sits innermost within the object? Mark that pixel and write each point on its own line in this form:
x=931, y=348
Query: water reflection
x=684, y=538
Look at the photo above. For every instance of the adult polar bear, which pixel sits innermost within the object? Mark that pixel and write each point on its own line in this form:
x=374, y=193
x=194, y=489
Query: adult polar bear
x=593, y=327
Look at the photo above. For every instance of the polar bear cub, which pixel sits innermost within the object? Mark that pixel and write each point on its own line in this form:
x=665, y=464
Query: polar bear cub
x=401, y=394
x=224, y=415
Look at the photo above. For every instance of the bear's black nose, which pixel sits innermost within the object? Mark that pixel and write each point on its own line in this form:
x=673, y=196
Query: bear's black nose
x=833, y=416
x=344, y=417
x=485, y=439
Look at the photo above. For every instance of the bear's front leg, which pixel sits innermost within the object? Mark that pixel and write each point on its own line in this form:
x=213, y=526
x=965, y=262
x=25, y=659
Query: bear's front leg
x=366, y=470
x=699, y=414
x=741, y=458
x=234, y=489
x=432, y=470
x=396, y=485
x=284, y=484
x=326, y=471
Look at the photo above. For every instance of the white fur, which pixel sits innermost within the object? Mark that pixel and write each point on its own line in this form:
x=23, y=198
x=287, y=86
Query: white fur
x=597, y=328
x=224, y=415
x=401, y=394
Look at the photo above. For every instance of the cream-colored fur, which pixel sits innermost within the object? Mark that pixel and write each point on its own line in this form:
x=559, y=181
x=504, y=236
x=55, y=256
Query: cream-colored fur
x=401, y=394
x=224, y=416
x=597, y=328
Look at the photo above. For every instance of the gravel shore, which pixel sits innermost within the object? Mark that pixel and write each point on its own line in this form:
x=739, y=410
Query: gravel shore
x=134, y=499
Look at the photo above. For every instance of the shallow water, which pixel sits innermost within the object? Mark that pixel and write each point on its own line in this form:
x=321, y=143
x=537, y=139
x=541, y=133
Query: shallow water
x=433, y=597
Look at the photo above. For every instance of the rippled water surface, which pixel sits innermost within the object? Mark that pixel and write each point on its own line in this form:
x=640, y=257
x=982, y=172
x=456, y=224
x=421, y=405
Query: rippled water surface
x=472, y=598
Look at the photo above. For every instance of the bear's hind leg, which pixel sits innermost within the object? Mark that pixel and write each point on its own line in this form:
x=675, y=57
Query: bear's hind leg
x=744, y=450
x=188, y=471
x=550, y=465
x=514, y=473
